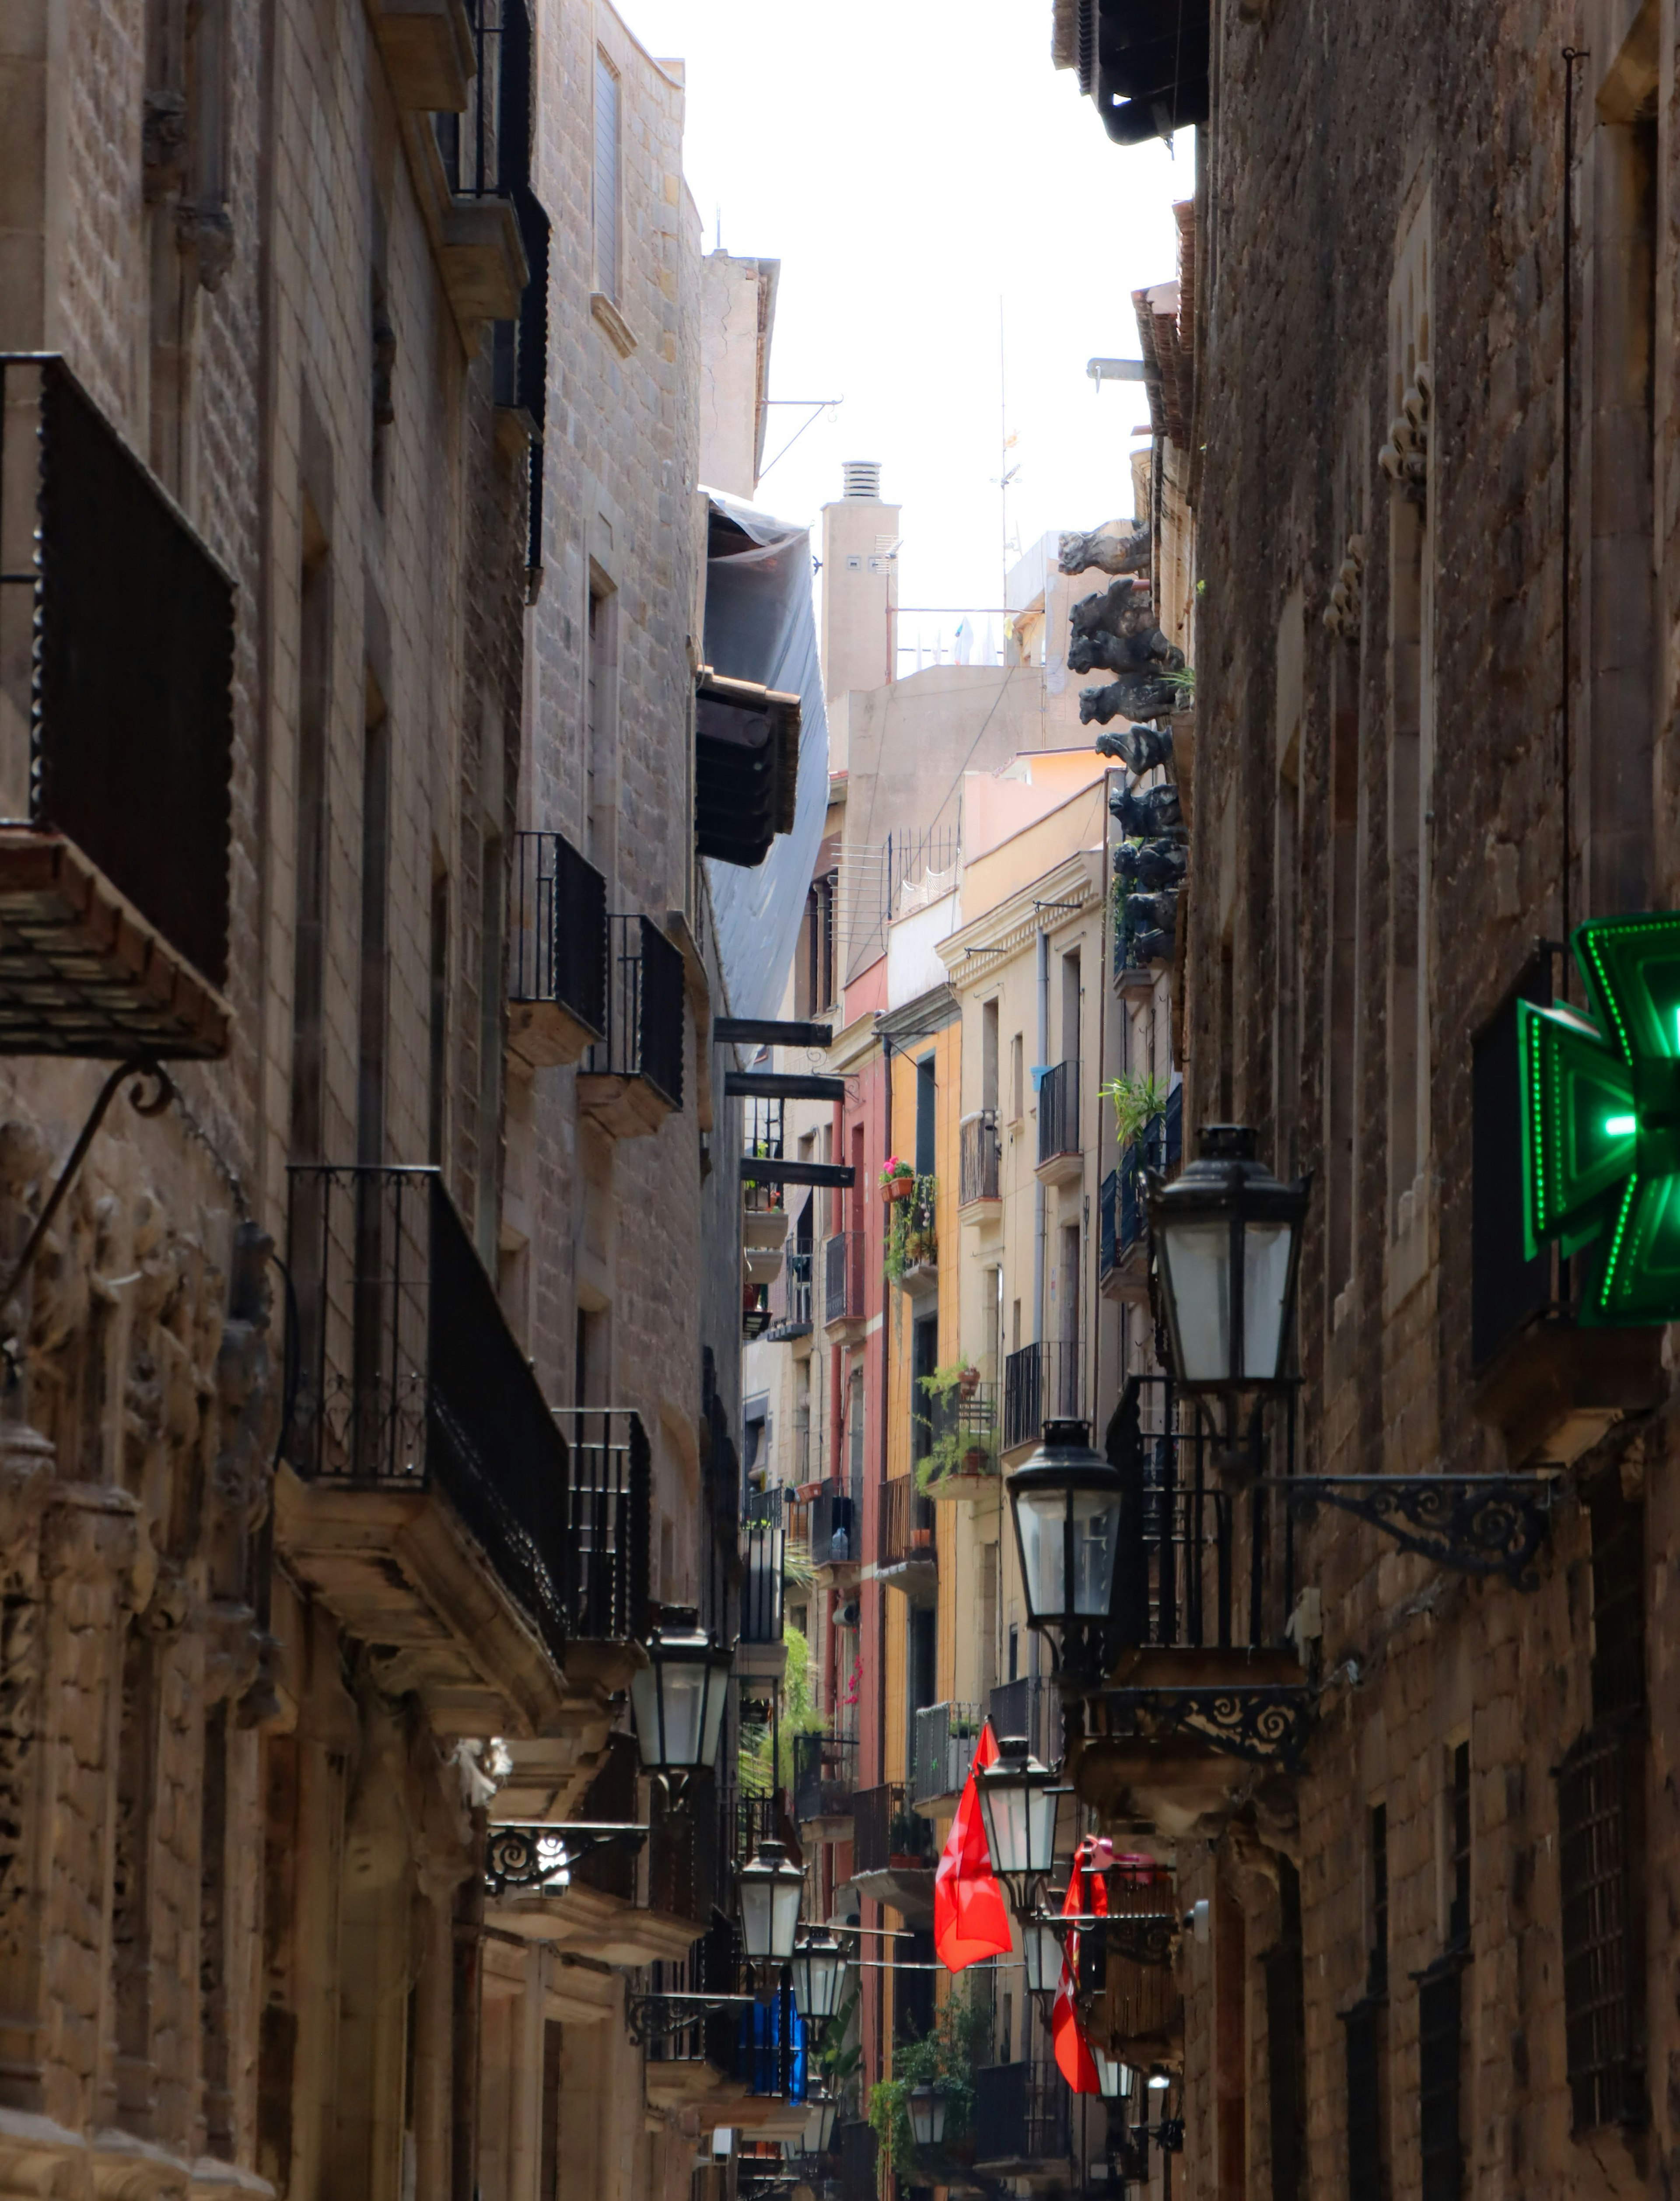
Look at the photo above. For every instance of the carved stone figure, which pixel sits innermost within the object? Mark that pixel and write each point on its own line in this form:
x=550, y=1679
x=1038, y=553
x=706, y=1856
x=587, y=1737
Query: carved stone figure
x=1140, y=749
x=1108, y=552
x=1145, y=817
x=1149, y=866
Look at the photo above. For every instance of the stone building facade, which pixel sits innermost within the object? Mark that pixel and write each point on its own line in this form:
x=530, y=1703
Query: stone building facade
x=1428, y=449
x=350, y=536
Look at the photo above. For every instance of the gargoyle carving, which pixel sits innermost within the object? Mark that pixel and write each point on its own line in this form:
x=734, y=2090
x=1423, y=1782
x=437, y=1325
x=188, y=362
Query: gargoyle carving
x=1147, y=816
x=1108, y=552
x=1116, y=628
x=1139, y=749
x=1149, y=867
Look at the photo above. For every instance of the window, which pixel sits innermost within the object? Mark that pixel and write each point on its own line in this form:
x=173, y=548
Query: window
x=1458, y=1914
x=492, y=906
x=1362, y=2043
x=600, y=730
x=925, y=1096
x=1070, y=1006
x=1440, y=2019
x=1286, y=894
x=438, y=1046
x=1600, y=1792
x=606, y=178
x=1017, y=1079
x=310, y=911
x=988, y=1054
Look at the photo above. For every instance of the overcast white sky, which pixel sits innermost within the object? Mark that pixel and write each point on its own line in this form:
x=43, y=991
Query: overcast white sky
x=910, y=162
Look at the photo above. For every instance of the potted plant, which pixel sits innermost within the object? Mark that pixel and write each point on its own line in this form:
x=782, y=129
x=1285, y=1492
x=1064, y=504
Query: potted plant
x=897, y=1180
x=956, y=1455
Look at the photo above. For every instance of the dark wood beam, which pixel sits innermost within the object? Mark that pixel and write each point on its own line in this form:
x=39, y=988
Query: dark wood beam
x=767, y=1031
x=781, y=1085
x=837, y=1174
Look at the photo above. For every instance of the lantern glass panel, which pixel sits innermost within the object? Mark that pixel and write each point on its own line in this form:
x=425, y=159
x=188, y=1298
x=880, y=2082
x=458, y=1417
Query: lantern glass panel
x=717, y=1697
x=1197, y=1258
x=755, y=1916
x=819, y=2127
x=1042, y=1952
x=1067, y=1550
x=819, y=1978
x=1003, y=1807
x=785, y=1915
x=927, y=2115
x=1265, y=1259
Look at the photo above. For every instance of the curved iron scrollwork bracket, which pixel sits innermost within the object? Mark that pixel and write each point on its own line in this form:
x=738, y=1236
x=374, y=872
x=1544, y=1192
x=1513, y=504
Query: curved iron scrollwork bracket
x=651, y=2017
x=1479, y=1524
x=1147, y=1938
x=1265, y=1723
x=534, y=1859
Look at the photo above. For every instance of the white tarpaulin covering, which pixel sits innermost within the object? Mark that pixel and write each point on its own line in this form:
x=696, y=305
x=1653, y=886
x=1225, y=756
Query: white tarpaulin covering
x=759, y=625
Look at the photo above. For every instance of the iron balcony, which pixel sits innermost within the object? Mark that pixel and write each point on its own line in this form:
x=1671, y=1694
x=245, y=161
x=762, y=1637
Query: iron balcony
x=116, y=741
x=557, y=950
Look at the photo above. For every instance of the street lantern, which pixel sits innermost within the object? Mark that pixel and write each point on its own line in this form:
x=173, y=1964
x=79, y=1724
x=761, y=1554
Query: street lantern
x=1017, y=1805
x=927, y=2115
x=821, y=2110
x=819, y=1969
x=1066, y=1500
x=769, y=1889
x=1229, y=1235
x=1114, y=2077
x=677, y=1697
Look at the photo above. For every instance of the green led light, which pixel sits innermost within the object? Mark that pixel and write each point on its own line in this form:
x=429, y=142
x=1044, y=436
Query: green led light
x=1591, y=1178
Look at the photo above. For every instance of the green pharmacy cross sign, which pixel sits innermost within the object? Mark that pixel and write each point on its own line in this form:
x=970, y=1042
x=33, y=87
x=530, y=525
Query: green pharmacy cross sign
x=1600, y=1110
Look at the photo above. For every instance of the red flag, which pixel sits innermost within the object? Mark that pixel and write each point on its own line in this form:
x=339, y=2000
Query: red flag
x=1074, y=2057
x=970, y=1919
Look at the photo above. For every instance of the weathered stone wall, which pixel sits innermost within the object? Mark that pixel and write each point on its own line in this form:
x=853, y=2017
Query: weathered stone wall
x=1327, y=145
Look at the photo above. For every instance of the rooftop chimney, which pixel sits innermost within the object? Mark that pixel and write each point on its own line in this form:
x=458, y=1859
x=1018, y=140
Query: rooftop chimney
x=862, y=479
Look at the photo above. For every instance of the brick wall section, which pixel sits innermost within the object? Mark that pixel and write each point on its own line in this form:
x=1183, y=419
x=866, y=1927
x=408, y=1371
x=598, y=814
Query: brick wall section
x=1320, y=144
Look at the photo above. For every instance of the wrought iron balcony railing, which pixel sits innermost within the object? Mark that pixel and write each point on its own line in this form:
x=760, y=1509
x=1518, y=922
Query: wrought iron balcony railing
x=843, y=1297
x=1021, y=2115
x=835, y=1528
x=1041, y=1383
x=946, y=1737
x=980, y=1157
x=790, y=1298
x=116, y=741
x=907, y=1522
x=1030, y=1705
x=409, y=1378
x=762, y=1546
x=557, y=950
x=608, y=1501
x=825, y=1776
x=1059, y=1112
x=887, y=1833
x=638, y=1061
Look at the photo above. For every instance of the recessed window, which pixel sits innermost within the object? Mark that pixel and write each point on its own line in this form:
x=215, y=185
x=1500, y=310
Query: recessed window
x=606, y=178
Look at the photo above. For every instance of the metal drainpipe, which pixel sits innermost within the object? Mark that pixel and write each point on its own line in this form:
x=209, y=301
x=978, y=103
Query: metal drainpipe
x=1038, y=1206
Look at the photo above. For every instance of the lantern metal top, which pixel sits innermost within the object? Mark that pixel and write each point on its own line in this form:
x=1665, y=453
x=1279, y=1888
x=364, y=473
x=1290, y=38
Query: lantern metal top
x=1065, y=1461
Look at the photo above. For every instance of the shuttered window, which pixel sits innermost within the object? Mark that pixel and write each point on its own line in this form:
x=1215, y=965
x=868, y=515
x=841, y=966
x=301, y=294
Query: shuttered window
x=1600, y=1789
x=1365, y=2109
x=606, y=178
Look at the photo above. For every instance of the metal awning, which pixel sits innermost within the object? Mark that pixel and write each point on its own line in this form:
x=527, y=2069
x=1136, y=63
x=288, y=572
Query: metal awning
x=746, y=766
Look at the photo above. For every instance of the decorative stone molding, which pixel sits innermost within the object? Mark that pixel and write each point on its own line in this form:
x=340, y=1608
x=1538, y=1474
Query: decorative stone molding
x=1342, y=613
x=1404, y=458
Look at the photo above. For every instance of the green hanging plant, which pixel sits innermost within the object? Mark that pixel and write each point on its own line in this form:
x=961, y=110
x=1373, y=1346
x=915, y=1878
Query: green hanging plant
x=958, y=2044
x=1136, y=1102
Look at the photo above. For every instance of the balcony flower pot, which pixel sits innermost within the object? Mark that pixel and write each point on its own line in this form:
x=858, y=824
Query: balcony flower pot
x=969, y=1383
x=897, y=1189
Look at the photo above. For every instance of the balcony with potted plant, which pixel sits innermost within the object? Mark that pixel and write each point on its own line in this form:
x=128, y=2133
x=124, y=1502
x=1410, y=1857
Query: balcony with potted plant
x=961, y=1424
x=912, y=1256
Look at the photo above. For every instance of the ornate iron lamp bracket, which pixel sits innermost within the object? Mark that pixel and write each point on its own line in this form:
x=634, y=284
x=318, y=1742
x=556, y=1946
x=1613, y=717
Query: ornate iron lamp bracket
x=1480, y=1524
x=1264, y=1722
x=651, y=2017
x=1141, y=1939
x=533, y=1859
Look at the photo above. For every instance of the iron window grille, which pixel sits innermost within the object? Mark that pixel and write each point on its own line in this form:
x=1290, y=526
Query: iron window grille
x=885, y=1827
x=1059, y=1112
x=116, y=645
x=790, y=1302
x=1021, y=2113
x=644, y=1009
x=558, y=949
x=1600, y=1790
x=833, y=1528
x=607, y=1512
x=761, y=1586
x=1108, y=1224
x=907, y=1520
x=410, y=1377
